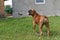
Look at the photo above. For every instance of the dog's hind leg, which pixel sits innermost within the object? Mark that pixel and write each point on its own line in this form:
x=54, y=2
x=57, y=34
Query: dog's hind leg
x=40, y=29
x=48, y=28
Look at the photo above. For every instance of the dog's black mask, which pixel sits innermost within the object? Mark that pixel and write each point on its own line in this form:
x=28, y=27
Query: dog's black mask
x=30, y=12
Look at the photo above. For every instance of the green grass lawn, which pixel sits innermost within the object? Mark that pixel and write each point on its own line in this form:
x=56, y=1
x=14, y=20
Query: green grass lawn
x=21, y=29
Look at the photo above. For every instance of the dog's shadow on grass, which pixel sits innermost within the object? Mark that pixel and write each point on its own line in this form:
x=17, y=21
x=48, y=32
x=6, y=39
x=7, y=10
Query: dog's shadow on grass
x=38, y=34
x=55, y=33
x=52, y=33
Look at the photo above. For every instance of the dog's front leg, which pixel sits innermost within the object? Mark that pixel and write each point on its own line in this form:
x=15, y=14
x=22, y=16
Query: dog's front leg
x=34, y=26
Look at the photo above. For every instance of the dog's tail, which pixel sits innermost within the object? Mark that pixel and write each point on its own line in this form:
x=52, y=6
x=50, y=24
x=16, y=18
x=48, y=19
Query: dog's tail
x=45, y=19
x=45, y=16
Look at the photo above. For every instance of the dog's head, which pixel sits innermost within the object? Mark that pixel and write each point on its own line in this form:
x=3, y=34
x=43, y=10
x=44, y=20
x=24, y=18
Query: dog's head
x=31, y=12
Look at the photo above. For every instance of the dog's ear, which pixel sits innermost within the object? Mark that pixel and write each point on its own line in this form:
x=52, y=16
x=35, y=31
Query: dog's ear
x=34, y=11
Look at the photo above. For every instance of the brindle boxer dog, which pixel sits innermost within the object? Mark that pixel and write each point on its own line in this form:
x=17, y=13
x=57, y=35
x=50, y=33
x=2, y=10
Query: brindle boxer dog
x=40, y=20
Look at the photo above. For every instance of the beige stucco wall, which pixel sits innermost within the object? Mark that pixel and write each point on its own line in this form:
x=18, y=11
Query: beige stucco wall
x=50, y=8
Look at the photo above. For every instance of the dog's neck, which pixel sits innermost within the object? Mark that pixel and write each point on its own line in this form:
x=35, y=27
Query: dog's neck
x=35, y=14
